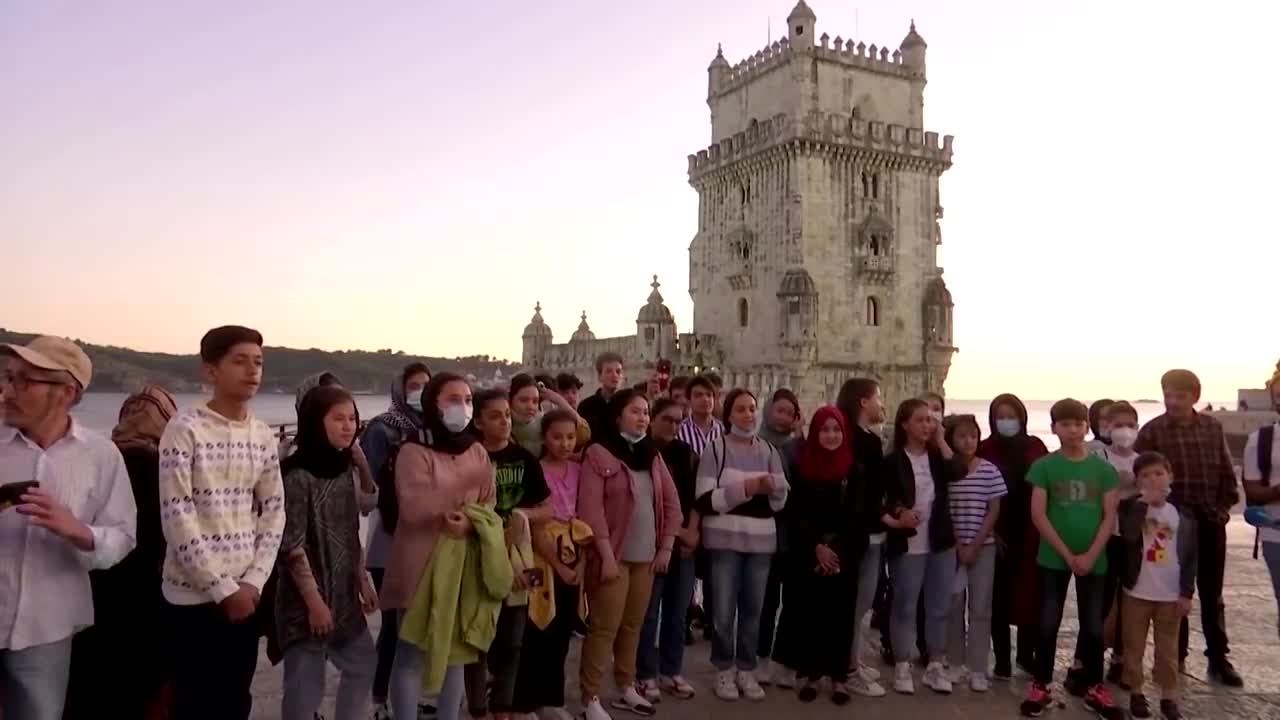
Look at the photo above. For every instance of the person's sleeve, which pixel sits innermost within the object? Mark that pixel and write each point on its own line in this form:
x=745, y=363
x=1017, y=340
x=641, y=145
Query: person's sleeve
x=1147, y=440
x=536, y=491
x=296, y=517
x=178, y=517
x=997, y=487
x=115, y=525
x=672, y=516
x=591, y=499
x=778, y=496
x=376, y=444
x=1252, y=473
x=1038, y=475
x=268, y=496
x=1109, y=479
x=713, y=500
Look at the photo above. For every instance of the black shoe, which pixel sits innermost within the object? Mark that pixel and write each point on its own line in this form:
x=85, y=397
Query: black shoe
x=1115, y=676
x=1099, y=700
x=808, y=692
x=1002, y=672
x=1075, y=683
x=426, y=710
x=1038, y=700
x=1138, y=706
x=886, y=656
x=1224, y=673
x=1169, y=709
x=839, y=694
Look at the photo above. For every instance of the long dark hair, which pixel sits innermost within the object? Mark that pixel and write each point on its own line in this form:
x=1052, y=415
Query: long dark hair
x=852, y=393
x=905, y=411
x=638, y=456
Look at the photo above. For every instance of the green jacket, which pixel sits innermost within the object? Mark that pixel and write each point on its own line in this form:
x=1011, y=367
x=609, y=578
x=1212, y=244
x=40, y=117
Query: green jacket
x=454, y=614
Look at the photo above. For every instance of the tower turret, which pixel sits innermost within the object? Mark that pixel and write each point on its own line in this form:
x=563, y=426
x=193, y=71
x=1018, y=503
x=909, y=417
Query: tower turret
x=800, y=25
x=913, y=50
x=655, y=327
x=717, y=71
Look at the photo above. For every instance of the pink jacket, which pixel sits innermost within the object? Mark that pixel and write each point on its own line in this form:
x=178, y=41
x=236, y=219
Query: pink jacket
x=606, y=504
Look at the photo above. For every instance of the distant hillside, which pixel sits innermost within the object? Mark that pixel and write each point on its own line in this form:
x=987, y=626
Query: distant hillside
x=117, y=369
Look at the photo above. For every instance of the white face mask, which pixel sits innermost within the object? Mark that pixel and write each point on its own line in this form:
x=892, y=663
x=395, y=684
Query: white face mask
x=414, y=400
x=1124, y=437
x=936, y=415
x=456, y=417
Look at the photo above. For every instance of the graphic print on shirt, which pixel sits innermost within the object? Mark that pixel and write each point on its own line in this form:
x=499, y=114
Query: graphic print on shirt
x=509, y=479
x=1157, y=536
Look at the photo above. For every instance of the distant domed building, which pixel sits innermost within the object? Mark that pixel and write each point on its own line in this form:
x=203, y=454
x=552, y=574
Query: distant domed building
x=815, y=254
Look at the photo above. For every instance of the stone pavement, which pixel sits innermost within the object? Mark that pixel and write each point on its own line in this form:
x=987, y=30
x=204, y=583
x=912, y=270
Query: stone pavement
x=1251, y=623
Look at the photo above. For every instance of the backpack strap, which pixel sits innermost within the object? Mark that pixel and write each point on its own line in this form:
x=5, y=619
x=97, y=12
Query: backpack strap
x=1266, y=440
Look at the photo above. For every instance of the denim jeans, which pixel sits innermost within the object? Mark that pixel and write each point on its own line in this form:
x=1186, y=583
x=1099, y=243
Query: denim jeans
x=738, y=583
x=406, y=684
x=971, y=646
x=662, y=637
x=1053, y=596
x=304, y=678
x=33, y=681
x=868, y=578
x=935, y=575
x=1271, y=553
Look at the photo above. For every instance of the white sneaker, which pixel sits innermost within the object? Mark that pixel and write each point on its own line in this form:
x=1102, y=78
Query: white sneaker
x=958, y=674
x=649, y=688
x=751, y=689
x=935, y=678
x=859, y=683
x=979, y=683
x=726, y=686
x=902, y=680
x=784, y=677
x=632, y=701
x=867, y=672
x=593, y=710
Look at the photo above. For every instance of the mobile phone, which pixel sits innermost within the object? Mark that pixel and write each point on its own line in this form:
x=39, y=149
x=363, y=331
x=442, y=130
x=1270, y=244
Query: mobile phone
x=11, y=493
x=533, y=577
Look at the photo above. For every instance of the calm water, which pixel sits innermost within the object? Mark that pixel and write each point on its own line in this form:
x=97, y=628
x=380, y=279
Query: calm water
x=100, y=410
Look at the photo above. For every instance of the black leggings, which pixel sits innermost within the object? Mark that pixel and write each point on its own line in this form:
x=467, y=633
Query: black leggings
x=387, y=634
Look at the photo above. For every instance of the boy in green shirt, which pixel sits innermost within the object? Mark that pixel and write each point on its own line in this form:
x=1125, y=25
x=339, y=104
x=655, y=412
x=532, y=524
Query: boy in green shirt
x=1073, y=506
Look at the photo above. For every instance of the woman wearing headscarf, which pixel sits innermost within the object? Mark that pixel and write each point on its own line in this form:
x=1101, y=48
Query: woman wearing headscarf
x=380, y=440
x=324, y=593
x=127, y=598
x=1012, y=449
x=437, y=474
x=627, y=496
x=828, y=538
x=781, y=430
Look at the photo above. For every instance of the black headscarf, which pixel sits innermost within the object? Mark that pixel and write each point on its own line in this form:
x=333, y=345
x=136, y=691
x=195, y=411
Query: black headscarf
x=400, y=416
x=1013, y=456
x=434, y=434
x=314, y=452
x=637, y=456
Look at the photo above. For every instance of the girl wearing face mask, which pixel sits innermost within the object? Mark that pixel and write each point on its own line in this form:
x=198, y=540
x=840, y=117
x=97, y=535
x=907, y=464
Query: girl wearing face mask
x=627, y=496
x=1121, y=422
x=1099, y=425
x=380, y=441
x=528, y=398
x=1012, y=450
x=741, y=486
x=437, y=473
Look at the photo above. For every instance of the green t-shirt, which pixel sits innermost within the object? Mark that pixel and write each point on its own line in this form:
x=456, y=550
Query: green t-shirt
x=1074, y=504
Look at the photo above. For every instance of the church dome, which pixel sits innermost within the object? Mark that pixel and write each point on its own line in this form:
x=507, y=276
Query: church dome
x=655, y=311
x=913, y=39
x=936, y=293
x=583, y=333
x=797, y=282
x=536, y=327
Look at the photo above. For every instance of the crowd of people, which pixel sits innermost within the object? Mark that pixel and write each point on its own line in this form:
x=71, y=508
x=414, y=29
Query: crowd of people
x=142, y=571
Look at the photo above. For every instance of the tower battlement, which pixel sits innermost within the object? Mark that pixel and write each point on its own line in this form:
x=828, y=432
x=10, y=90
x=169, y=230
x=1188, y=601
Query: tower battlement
x=872, y=58
x=831, y=128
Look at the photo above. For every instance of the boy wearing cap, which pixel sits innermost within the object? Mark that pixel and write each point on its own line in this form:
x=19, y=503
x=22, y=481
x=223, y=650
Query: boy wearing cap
x=66, y=507
x=222, y=512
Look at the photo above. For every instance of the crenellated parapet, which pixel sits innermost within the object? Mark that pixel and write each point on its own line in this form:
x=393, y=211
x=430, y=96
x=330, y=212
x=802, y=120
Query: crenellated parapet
x=872, y=58
x=773, y=55
x=861, y=55
x=887, y=144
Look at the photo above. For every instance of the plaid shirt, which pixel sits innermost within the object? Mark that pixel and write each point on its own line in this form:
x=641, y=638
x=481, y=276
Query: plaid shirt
x=1203, y=476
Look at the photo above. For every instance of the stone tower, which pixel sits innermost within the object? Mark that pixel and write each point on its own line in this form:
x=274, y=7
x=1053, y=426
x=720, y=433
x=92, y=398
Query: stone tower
x=815, y=256
x=537, y=338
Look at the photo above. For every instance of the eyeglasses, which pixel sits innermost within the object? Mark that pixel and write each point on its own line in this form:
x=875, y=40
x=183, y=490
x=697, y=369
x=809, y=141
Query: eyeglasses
x=22, y=383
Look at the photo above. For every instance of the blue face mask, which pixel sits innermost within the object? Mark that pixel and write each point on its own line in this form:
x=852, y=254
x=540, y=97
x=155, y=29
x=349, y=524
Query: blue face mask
x=632, y=437
x=414, y=400
x=1008, y=427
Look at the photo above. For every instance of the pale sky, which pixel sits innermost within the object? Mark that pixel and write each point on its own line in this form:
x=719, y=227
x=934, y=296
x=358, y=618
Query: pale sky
x=416, y=174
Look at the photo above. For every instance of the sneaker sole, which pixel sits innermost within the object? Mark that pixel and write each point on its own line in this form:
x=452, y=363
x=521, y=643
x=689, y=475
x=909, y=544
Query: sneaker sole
x=640, y=710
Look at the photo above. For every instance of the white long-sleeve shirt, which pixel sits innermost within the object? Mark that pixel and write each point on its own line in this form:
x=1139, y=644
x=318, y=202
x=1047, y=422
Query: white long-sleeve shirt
x=44, y=580
x=221, y=505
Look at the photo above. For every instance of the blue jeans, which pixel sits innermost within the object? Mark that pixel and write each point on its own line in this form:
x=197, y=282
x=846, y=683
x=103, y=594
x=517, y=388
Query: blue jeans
x=868, y=577
x=738, y=582
x=406, y=684
x=1271, y=553
x=304, y=678
x=33, y=681
x=935, y=574
x=662, y=637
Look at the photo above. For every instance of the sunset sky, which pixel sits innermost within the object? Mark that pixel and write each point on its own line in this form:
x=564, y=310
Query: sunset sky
x=416, y=174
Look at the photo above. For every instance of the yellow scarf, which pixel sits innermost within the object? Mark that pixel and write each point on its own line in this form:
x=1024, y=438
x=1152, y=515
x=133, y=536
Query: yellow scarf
x=569, y=539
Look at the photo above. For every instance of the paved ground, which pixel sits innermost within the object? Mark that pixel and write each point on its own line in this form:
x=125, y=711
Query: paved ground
x=1255, y=650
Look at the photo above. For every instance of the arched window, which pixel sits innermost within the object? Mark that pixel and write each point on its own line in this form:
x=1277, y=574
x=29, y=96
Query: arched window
x=873, y=312
x=742, y=312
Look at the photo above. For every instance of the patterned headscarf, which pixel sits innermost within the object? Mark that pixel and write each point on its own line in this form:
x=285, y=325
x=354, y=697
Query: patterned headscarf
x=143, y=417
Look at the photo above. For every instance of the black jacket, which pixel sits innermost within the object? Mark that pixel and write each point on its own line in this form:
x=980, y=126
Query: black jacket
x=900, y=494
x=868, y=459
x=595, y=410
x=830, y=513
x=1133, y=515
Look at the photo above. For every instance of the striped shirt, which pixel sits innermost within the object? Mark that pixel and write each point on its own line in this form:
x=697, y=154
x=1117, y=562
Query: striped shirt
x=45, y=594
x=971, y=498
x=694, y=437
